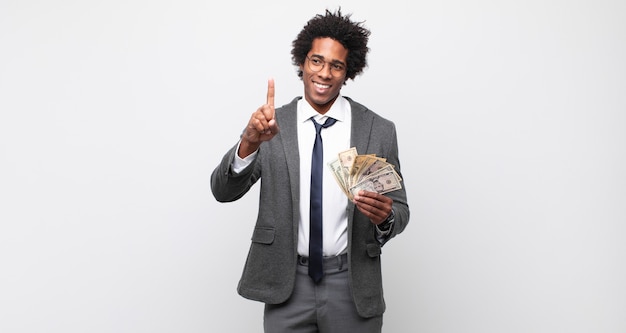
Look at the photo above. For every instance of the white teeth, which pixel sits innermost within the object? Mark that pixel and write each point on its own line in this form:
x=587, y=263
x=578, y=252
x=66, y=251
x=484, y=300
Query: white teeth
x=321, y=85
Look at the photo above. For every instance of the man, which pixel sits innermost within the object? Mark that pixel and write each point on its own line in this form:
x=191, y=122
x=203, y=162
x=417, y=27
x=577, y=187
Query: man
x=303, y=213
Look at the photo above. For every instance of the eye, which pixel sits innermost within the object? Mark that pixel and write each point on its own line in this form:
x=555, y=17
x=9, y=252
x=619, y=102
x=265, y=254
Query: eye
x=316, y=61
x=338, y=67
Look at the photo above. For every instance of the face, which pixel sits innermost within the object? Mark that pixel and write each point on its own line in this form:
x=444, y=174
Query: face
x=321, y=88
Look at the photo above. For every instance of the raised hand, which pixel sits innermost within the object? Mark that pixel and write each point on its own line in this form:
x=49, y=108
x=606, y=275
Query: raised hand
x=262, y=126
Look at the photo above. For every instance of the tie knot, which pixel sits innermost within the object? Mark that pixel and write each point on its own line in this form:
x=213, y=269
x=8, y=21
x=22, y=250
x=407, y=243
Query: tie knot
x=329, y=122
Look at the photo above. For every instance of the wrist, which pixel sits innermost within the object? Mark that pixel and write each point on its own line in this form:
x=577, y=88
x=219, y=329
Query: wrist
x=386, y=224
x=246, y=148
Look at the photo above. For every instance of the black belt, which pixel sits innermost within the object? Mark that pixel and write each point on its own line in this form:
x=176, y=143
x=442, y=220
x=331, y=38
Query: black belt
x=329, y=262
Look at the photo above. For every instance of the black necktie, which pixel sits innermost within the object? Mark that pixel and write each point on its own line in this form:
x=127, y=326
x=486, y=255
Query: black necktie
x=315, y=238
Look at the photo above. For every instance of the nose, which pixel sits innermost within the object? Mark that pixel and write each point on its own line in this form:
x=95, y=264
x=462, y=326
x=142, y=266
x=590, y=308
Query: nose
x=325, y=72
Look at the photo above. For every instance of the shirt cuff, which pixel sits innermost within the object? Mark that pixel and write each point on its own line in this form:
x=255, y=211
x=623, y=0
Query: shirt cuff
x=381, y=234
x=241, y=163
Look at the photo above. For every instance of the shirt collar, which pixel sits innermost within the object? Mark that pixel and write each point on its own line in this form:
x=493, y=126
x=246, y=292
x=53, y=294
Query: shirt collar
x=338, y=110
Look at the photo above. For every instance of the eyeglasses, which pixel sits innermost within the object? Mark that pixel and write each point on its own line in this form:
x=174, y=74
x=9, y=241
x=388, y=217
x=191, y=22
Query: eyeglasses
x=316, y=64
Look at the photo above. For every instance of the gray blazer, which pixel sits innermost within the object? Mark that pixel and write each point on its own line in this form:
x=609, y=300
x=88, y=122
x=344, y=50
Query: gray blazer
x=270, y=269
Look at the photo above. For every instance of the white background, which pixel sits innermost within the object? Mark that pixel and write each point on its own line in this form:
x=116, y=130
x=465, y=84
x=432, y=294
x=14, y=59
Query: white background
x=511, y=118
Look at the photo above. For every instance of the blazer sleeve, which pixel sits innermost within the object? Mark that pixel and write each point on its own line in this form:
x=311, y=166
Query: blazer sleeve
x=227, y=185
x=400, y=203
x=383, y=141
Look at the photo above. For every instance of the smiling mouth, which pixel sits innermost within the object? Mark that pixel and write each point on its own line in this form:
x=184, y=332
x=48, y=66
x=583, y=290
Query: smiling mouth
x=322, y=86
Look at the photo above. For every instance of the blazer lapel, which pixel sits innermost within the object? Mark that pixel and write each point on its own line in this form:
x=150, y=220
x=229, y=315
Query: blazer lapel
x=361, y=127
x=287, y=117
x=289, y=136
x=359, y=137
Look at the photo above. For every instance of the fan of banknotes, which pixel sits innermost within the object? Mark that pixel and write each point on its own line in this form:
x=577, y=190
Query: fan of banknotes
x=355, y=172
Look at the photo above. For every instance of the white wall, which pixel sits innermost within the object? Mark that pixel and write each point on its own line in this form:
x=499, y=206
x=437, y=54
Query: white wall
x=511, y=117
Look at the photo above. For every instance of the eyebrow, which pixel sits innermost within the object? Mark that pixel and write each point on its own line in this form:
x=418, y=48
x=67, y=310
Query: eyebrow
x=332, y=61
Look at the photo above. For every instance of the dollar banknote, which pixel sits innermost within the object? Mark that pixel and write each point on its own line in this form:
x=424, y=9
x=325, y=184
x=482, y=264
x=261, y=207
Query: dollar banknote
x=354, y=172
x=382, y=181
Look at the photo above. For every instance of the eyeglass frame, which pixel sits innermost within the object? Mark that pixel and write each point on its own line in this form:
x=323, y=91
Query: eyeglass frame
x=333, y=70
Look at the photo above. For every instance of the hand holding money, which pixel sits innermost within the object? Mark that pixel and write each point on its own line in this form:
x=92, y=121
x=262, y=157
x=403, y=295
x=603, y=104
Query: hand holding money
x=355, y=172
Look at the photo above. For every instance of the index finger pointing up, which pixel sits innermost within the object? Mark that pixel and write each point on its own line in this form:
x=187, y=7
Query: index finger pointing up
x=270, y=92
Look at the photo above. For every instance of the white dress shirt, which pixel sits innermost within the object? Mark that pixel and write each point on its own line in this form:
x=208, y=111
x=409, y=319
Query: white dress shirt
x=336, y=139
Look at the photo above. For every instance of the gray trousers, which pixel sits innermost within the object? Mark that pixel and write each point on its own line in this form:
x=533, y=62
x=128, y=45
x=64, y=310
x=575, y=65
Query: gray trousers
x=326, y=307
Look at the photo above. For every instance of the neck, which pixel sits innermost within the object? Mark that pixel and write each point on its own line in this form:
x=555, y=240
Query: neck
x=322, y=108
